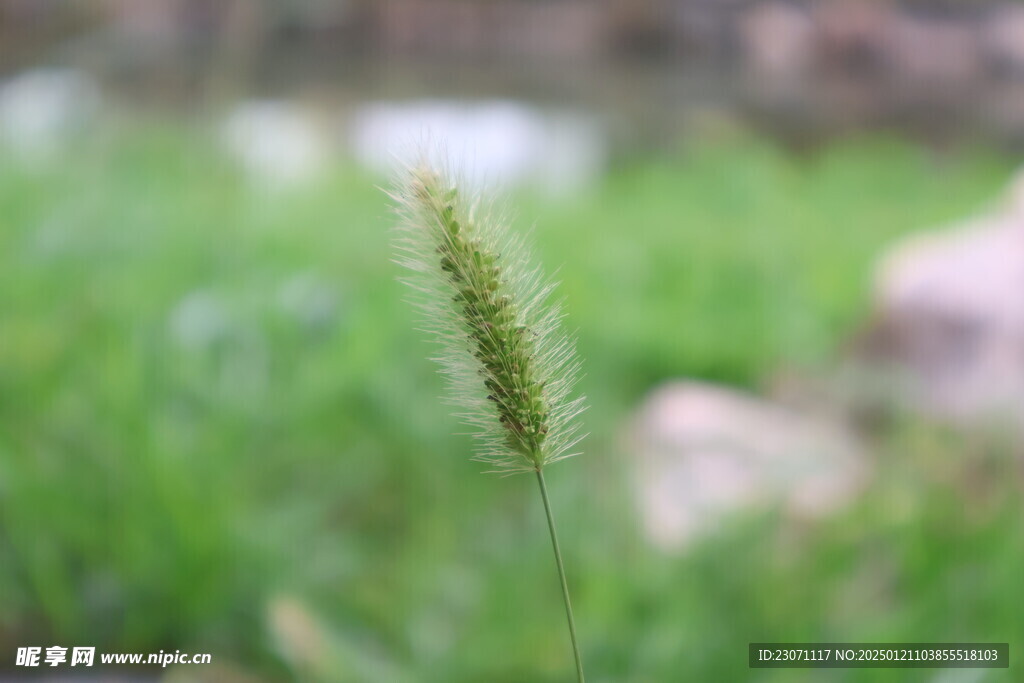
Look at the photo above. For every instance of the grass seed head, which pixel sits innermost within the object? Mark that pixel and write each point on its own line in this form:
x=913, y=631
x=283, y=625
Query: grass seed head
x=509, y=364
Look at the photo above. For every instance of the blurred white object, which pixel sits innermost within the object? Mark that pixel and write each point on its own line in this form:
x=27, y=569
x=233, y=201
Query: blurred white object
x=950, y=314
x=704, y=452
x=484, y=144
x=279, y=144
x=42, y=110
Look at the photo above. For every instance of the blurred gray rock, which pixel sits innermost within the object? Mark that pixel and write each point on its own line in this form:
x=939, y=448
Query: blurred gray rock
x=703, y=453
x=949, y=318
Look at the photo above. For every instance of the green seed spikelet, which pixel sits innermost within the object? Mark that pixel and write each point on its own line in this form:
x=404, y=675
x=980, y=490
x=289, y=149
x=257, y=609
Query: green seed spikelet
x=508, y=362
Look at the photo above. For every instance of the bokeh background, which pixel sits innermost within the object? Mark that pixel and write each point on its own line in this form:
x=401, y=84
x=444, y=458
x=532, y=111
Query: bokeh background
x=787, y=233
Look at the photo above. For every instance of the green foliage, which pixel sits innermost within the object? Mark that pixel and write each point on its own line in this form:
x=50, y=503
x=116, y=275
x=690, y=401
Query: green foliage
x=211, y=401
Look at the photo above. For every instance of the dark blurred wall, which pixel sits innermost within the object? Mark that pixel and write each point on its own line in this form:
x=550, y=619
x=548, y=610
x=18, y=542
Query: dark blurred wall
x=915, y=36
x=831, y=64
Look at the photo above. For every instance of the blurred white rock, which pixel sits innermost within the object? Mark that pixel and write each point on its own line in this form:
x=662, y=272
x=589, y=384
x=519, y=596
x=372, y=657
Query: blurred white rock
x=703, y=453
x=949, y=316
x=494, y=143
x=42, y=110
x=279, y=144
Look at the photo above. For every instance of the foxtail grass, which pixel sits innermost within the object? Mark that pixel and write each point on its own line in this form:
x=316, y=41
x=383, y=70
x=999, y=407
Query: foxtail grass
x=510, y=366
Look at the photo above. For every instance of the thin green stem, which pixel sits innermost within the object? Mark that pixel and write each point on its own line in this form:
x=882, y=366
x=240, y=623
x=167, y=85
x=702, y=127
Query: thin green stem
x=561, y=576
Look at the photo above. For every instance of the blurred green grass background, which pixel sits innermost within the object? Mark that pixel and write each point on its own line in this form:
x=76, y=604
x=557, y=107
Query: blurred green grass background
x=219, y=432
